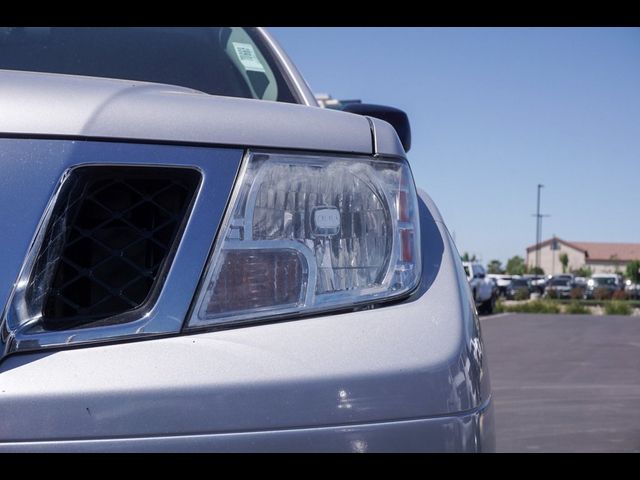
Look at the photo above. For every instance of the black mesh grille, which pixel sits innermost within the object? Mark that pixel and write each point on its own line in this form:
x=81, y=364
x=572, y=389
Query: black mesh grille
x=111, y=235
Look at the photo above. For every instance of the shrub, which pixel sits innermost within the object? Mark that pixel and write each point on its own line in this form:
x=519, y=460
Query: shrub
x=620, y=295
x=633, y=271
x=551, y=293
x=615, y=307
x=576, y=308
x=602, y=294
x=521, y=294
x=499, y=307
x=577, y=293
x=536, y=306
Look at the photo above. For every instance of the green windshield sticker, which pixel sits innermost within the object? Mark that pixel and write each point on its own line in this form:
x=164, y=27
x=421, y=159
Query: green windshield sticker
x=247, y=56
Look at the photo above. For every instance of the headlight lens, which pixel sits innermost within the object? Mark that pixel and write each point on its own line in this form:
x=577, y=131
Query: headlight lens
x=310, y=233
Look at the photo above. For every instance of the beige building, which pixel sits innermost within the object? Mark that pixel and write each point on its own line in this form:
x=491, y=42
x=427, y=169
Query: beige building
x=600, y=257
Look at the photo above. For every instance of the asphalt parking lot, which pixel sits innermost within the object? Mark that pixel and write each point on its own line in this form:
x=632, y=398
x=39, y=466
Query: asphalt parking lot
x=564, y=383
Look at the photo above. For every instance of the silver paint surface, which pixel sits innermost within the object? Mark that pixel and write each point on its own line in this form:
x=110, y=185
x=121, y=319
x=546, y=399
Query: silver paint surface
x=386, y=141
x=75, y=106
x=460, y=433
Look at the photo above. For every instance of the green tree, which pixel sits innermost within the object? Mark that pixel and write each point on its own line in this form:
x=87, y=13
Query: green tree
x=536, y=271
x=495, y=266
x=564, y=260
x=468, y=258
x=516, y=266
x=582, y=272
x=633, y=271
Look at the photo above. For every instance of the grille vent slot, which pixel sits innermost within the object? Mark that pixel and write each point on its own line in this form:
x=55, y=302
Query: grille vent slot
x=109, y=241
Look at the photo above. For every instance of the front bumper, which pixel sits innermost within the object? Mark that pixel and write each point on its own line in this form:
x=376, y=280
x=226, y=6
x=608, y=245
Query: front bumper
x=466, y=432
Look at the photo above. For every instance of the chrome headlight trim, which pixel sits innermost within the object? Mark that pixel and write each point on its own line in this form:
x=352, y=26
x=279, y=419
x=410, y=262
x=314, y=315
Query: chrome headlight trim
x=237, y=232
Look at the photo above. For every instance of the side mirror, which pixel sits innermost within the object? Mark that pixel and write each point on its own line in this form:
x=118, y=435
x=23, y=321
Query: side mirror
x=480, y=275
x=396, y=117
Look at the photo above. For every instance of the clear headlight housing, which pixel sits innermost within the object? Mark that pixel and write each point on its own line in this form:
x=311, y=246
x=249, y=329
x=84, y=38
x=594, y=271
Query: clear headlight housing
x=306, y=233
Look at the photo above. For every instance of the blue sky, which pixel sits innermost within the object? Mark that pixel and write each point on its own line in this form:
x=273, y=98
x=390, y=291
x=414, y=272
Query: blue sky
x=494, y=112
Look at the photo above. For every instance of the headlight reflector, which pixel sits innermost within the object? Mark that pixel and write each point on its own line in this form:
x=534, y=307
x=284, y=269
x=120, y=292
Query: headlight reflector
x=308, y=233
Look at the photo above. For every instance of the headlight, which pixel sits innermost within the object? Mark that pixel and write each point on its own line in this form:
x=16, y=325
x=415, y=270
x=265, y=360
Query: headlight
x=308, y=233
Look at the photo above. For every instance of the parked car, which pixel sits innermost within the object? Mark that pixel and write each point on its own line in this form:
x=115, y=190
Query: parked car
x=197, y=257
x=581, y=282
x=566, y=276
x=559, y=287
x=483, y=289
x=539, y=284
x=604, y=282
x=519, y=287
x=502, y=282
x=632, y=289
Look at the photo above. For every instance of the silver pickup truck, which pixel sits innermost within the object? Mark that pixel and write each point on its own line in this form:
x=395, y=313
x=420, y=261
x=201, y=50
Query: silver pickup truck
x=483, y=289
x=197, y=257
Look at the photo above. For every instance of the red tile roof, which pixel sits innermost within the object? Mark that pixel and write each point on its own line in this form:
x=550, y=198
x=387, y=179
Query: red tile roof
x=597, y=251
x=624, y=252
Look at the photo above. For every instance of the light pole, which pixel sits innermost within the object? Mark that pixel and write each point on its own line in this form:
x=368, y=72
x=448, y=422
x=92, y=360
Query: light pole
x=538, y=216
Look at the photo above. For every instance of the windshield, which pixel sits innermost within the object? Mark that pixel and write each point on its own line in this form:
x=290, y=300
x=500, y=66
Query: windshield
x=604, y=281
x=228, y=61
x=519, y=283
x=559, y=282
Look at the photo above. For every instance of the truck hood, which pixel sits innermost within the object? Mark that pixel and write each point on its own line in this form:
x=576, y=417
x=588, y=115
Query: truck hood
x=44, y=104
